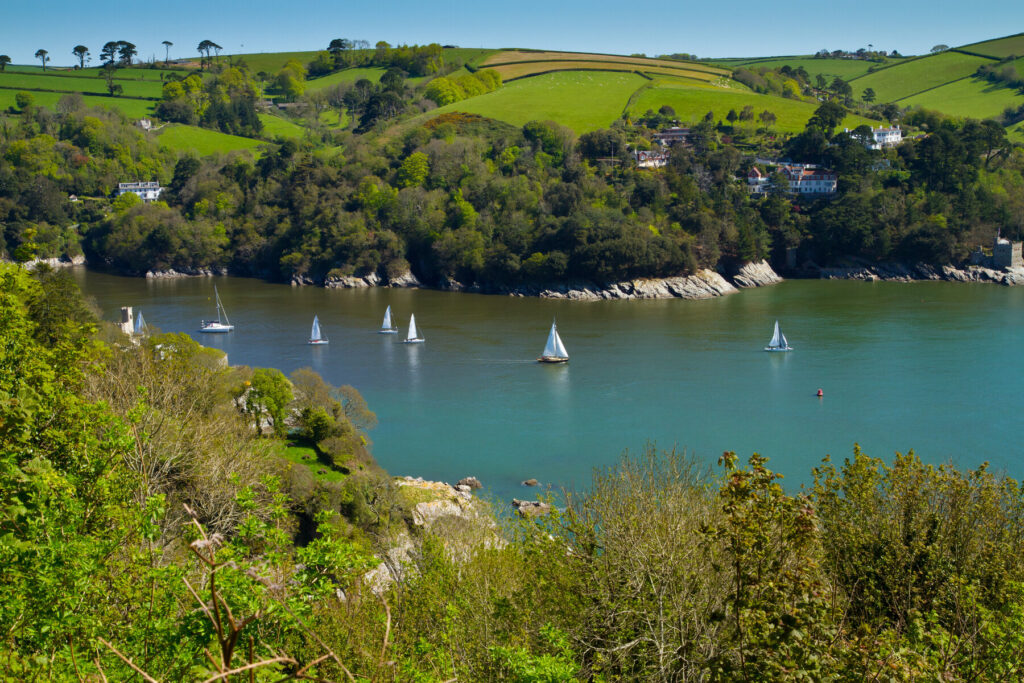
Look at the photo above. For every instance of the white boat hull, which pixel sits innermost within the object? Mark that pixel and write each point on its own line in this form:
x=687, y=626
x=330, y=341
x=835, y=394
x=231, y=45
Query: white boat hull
x=391, y=331
x=216, y=328
x=317, y=342
x=413, y=341
x=768, y=348
x=552, y=359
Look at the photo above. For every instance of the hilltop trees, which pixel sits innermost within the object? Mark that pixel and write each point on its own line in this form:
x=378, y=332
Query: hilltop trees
x=167, y=51
x=4, y=61
x=108, y=52
x=291, y=79
x=41, y=55
x=205, y=48
x=80, y=51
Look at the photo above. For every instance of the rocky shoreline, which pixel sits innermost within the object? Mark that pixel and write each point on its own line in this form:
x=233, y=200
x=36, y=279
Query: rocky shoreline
x=901, y=272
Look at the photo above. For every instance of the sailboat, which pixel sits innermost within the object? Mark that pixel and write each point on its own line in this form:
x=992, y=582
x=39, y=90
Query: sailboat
x=314, y=335
x=413, y=337
x=217, y=325
x=778, y=342
x=388, y=327
x=554, y=350
x=140, y=325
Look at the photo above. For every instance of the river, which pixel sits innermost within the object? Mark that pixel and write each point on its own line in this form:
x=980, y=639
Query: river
x=931, y=366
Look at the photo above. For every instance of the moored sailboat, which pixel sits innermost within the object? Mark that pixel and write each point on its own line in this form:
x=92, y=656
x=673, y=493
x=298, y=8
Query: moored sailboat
x=554, y=350
x=778, y=342
x=140, y=325
x=314, y=335
x=413, y=337
x=221, y=324
x=388, y=327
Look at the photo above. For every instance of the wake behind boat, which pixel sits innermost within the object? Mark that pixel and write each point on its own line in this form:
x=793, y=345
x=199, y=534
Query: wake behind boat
x=778, y=342
x=314, y=335
x=221, y=324
x=387, y=327
x=413, y=337
x=554, y=350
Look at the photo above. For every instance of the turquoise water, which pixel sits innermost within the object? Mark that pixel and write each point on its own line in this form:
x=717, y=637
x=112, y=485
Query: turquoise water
x=935, y=367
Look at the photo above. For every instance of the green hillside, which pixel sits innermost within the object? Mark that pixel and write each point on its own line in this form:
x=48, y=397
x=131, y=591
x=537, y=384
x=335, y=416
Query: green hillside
x=1000, y=47
x=86, y=85
x=131, y=108
x=918, y=75
x=845, y=69
x=692, y=103
x=182, y=138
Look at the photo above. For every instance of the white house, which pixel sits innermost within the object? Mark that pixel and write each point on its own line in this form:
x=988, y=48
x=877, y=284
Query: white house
x=650, y=158
x=884, y=138
x=803, y=179
x=148, y=192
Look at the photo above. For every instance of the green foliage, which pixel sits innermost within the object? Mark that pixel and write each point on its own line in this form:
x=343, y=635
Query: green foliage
x=269, y=394
x=24, y=100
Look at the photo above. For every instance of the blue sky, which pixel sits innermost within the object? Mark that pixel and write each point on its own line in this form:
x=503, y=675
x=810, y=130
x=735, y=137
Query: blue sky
x=717, y=29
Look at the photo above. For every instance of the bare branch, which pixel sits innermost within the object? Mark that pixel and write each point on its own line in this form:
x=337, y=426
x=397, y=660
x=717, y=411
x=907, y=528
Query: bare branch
x=129, y=662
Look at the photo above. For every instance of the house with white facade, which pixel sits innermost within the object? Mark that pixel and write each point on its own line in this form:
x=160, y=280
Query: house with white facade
x=882, y=137
x=147, y=191
x=650, y=158
x=804, y=179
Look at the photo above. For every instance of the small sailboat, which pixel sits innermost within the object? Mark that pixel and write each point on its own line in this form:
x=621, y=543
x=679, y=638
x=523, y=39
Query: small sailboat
x=314, y=335
x=388, y=327
x=554, y=350
x=413, y=337
x=221, y=324
x=140, y=325
x=778, y=342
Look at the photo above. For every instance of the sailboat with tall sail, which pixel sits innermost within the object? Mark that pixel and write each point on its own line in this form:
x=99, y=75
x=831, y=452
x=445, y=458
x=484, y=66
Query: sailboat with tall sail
x=221, y=324
x=388, y=327
x=314, y=336
x=554, y=350
x=140, y=325
x=778, y=342
x=414, y=336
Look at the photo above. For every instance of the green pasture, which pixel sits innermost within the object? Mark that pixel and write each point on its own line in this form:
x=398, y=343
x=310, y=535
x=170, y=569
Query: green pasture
x=132, y=108
x=998, y=47
x=637, y=63
x=181, y=138
x=845, y=69
x=133, y=73
x=304, y=456
x=692, y=103
x=372, y=73
x=277, y=127
x=581, y=100
x=94, y=85
x=917, y=75
x=971, y=97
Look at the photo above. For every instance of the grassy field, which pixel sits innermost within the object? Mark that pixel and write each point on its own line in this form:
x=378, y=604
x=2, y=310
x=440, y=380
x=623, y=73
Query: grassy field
x=581, y=100
x=511, y=72
x=915, y=76
x=968, y=97
x=135, y=109
x=182, y=138
x=372, y=73
x=691, y=104
x=94, y=85
x=998, y=47
x=845, y=69
x=304, y=456
x=122, y=74
x=275, y=127
x=515, y=56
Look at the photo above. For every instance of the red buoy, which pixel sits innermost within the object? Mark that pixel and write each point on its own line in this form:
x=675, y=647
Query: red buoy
x=820, y=393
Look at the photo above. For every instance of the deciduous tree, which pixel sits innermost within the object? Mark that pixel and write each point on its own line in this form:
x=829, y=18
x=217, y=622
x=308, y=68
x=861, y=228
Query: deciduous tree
x=80, y=51
x=41, y=55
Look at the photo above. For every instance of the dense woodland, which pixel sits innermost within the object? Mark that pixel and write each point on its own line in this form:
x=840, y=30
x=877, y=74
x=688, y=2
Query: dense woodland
x=149, y=524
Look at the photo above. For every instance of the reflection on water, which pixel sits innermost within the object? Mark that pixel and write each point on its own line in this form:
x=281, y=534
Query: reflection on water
x=897, y=373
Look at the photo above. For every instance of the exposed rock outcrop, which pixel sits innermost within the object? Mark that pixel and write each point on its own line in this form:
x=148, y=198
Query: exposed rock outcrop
x=758, y=274
x=531, y=508
x=471, y=482
x=530, y=482
x=901, y=272
x=184, y=272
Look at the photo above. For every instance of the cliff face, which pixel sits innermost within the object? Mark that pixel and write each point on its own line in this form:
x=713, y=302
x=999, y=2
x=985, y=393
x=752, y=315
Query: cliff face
x=901, y=272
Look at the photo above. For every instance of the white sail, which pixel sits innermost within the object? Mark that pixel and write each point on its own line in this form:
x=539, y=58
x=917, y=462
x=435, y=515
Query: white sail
x=386, y=325
x=413, y=334
x=778, y=342
x=140, y=324
x=314, y=335
x=554, y=348
x=221, y=324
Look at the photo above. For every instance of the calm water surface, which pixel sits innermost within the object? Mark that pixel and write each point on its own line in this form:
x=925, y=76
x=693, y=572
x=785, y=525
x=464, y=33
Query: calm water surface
x=931, y=366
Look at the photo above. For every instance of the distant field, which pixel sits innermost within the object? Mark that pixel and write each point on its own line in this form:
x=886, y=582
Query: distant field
x=968, y=97
x=845, y=69
x=136, y=109
x=999, y=47
x=581, y=100
x=122, y=74
x=182, y=138
x=275, y=126
x=94, y=85
x=508, y=56
x=691, y=104
x=511, y=72
x=372, y=73
x=915, y=76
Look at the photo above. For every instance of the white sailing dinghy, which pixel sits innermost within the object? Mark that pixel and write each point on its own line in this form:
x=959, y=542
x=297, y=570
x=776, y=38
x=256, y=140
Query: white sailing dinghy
x=217, y=325
x=314, y=335
x=413, y=337
x=387, y=327
x=554, y=350
x=778, y=342
x=140, y=325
